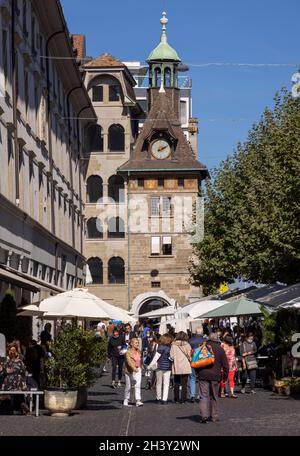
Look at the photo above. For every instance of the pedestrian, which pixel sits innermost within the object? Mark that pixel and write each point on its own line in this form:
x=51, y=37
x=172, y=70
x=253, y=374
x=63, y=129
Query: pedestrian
x=209, y=378
x=149, y=354
x=232, y=364
x=181, y=367
x=46, y=335
x=195, y=342
x=164, y=369
x=128, y=334
x=248, y=350
x=15, y=378
x=115, y=346
x=133, y=372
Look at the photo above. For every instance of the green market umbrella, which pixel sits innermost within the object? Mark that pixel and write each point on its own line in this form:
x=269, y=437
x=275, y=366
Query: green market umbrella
x=238, y=308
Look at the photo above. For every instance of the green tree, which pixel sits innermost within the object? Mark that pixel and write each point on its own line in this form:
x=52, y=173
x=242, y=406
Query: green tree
x=252, y=206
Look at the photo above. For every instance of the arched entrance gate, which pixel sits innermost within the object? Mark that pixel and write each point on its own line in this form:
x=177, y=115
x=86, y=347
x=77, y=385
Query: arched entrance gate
x=146, y=302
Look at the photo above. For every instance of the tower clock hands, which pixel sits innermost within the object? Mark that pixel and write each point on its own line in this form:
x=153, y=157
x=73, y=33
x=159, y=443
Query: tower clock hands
x=162, y=148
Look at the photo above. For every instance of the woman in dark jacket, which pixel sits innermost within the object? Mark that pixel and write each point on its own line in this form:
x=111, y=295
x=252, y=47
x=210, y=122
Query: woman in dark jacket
x=164, y=368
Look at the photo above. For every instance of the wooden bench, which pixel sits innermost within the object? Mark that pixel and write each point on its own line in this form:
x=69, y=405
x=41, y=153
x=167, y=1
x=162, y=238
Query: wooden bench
x=29, y=393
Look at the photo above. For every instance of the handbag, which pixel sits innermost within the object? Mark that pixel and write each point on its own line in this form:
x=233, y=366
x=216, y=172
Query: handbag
x=153, y=365
x=202, y=356
x=251, y=363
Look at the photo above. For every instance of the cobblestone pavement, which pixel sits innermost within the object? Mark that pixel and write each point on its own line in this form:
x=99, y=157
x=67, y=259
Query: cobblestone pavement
x=262, y=414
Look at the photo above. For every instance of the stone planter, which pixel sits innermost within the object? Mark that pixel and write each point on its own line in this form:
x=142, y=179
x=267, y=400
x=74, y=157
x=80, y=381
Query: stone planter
x=60, y=403
x=82, y=398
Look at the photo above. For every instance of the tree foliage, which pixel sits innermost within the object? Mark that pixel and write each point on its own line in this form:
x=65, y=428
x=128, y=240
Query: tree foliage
x=252, y=206
x=278, y=328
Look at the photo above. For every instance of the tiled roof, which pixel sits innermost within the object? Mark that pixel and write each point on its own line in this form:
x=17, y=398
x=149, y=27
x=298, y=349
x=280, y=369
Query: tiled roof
x=163, y=117
x=78, y=43
x=105, y=60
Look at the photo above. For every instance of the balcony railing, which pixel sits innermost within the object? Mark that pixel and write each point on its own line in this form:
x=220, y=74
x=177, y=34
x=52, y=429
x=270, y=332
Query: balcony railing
x=184, y=82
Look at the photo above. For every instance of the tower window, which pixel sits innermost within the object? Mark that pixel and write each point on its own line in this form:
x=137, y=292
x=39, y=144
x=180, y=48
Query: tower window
x=168, y=79
x=141, y=182
x=114, y=92
x=157, y=77
x=166, y=206
x=97, y=93
x=161, y=182
x=183, y=112
x=181, y=182
x=116, y=270
x=167, y=245
x=155, y=206
x=155, y=245
x=116, y=138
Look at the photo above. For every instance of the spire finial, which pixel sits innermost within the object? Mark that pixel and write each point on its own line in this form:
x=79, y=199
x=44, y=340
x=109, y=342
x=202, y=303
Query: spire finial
x=164, y=20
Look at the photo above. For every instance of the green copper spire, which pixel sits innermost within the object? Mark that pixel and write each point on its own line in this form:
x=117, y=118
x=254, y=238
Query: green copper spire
x=164, y=51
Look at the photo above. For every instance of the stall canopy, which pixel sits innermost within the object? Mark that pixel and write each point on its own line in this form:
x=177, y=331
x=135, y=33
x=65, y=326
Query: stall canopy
x=162, y=312
x=79, y=303
x=238, y=308
x=199, y=307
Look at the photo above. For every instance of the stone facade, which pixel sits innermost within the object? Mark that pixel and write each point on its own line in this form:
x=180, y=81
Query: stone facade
x=155, y=247
x=41, y=137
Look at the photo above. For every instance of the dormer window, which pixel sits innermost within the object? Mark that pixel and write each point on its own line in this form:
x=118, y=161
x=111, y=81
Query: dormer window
x=114, y=93
x=97, y=93
x=105, y=89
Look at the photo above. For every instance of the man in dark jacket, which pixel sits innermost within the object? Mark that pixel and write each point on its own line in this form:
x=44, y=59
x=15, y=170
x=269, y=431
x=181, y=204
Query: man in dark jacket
x=209, y=378
x=115, y=346
x=128, y=334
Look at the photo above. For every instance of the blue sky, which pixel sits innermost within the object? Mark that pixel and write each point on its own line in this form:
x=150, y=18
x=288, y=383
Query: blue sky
x=227, y=99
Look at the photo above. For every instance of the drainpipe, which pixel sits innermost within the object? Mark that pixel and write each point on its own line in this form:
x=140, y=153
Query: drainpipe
x=14, y=99
x=129, y=244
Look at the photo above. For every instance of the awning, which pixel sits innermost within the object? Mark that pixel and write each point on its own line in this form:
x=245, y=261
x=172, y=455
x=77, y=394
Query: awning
x=10, y=277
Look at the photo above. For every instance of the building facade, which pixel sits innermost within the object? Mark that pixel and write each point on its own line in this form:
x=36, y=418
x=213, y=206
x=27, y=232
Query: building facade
x=142, y=180
x=44, y=108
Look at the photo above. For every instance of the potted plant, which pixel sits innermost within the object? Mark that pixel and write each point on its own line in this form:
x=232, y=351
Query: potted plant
x=69, y=368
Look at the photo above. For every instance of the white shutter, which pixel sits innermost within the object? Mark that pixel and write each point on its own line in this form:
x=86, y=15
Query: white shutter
x=155, y=245
x=167, y=240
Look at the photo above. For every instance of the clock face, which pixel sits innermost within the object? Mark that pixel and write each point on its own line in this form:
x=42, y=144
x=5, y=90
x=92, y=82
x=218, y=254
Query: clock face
x=160, y=149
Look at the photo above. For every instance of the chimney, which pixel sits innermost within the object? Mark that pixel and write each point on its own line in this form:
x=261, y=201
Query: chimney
x=79, y=46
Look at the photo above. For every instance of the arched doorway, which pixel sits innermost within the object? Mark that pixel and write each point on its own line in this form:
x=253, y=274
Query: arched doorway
x=146, y=302
x=151, y=304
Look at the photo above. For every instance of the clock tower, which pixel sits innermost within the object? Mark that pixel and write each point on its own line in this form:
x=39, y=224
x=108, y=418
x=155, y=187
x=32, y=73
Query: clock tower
x=163, y=183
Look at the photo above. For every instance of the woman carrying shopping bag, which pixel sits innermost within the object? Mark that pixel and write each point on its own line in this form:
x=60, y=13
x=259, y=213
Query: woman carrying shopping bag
x=181, y=368
x=133, y=372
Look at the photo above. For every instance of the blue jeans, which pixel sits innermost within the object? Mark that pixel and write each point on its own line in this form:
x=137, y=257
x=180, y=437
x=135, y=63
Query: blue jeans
x=193, y=383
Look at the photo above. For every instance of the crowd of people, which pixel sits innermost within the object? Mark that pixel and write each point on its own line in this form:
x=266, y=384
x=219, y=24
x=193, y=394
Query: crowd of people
x=166, y=362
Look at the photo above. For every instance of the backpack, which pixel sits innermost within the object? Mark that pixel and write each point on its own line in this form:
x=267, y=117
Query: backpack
x=202, y=356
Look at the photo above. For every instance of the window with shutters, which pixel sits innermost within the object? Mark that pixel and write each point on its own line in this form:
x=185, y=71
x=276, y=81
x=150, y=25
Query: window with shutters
x=167, y=245
x=155, y=245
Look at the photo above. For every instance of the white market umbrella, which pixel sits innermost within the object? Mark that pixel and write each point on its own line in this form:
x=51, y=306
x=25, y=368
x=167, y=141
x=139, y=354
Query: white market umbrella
x=162, y=312
x=179, y=324
x=198, y=308
x=79, y=303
